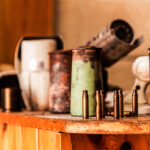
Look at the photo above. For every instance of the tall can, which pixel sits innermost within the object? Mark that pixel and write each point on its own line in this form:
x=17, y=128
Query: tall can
x=60, y=81
x=86, y=74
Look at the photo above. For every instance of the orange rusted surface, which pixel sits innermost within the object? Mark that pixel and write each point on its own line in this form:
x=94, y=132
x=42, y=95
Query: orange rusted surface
x=68, y=124
x=60, y=81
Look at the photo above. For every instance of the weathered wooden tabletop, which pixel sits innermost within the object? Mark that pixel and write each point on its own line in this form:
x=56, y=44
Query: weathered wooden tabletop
x=67, y=124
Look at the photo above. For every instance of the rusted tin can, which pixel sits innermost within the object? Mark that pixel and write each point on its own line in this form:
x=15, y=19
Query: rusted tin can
x=85, y=76
x=60, y=81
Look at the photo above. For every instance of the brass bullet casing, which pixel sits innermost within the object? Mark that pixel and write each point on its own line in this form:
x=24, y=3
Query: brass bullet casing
x=135, y=103
x=102, y=98
x=126, y=113
x=116, y=105
x=98, y=106
x=121, y=110
x=85, y=104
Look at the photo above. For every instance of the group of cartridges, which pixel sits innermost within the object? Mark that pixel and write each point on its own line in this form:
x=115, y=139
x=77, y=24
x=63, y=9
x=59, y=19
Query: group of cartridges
x=117, y=102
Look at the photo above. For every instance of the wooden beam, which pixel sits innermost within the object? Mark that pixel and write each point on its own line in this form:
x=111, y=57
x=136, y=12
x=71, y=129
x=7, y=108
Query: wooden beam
x=68, y=124
x=20, y=18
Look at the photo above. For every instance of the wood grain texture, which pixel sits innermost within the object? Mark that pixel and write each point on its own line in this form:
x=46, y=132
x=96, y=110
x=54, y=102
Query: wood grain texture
x=48, y=140
x=68, y=124
x=66, y=143
x=110, y=142
x=10, y=137
x=2, y=130
x=29, y=138
x=18, y=136
x=23, y=17
x=25, y=138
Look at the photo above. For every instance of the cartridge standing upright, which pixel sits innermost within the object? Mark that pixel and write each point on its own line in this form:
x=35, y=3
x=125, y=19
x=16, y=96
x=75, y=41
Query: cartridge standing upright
x=86, y=75
x=85, y=104
x=135, y=103
x=116, y=105
x=102, y=97
x=98, y=106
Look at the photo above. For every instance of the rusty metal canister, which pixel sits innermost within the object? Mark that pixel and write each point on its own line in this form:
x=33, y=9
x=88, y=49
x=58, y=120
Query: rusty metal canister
x=85, y=76
x=60, y=81
x=115, y=41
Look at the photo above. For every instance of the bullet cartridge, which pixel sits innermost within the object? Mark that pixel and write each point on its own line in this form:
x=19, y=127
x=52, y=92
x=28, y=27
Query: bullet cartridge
x=98, y=106
x=85, y=104
x=135, y=103
x=102, y=98
x=121, y=110
x=126, y=113
x=116, y=105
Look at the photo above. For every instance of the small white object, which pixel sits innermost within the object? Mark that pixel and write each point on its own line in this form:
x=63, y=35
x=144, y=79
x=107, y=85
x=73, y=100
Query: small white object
x=33, y=72
x=140, y=69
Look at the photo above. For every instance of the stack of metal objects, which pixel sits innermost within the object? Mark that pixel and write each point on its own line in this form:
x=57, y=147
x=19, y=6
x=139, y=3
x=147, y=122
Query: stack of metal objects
x=53, y=79
x=101, y=111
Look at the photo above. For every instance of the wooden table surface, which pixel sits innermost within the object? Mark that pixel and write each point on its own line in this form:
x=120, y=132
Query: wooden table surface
x=67, y=124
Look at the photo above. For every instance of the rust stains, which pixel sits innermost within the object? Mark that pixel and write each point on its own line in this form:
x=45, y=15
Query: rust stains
x=60, y=82
x=86, y=53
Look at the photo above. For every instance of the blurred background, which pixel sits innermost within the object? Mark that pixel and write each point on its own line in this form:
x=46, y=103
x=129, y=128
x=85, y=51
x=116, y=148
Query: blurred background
x=75, y=21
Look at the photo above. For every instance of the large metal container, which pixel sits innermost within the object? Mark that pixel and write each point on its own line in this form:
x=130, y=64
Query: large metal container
x=86, y=75
x=60, y=81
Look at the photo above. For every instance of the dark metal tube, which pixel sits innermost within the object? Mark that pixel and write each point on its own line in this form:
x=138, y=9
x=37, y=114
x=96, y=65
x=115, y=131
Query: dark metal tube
x=60, y=81
x=98, y=106
x=11, y=99
x=121, y=110
x=102, y=97
x=85, y=104
x=135, y=103
x=115, y=41
x=116, y=105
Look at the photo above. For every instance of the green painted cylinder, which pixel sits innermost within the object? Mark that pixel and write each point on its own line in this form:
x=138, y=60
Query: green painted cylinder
x=85, y=76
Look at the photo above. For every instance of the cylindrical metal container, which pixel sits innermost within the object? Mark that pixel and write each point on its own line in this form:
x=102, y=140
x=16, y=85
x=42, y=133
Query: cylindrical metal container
x=11, y=99
x=85, y=76
x=115, y=41
x=60, y=81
